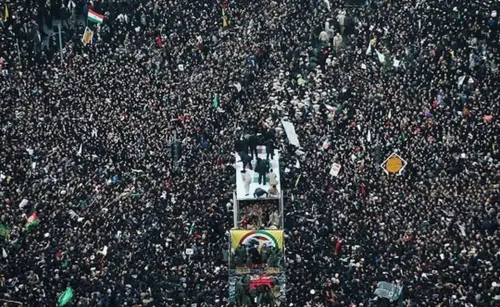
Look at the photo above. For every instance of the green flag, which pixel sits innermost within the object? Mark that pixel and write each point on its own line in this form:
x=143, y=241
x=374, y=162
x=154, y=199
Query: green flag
x=135, y=196
x=191, y=229
x=215, y=102
x=65, y=297
x=4, y=231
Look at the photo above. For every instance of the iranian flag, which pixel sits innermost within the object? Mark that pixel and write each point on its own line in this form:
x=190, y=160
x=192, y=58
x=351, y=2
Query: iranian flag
x=32, y=222
x=95, y=17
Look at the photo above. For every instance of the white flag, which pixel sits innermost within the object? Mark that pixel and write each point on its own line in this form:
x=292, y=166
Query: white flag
x=380, y=56
x=462, y=230
x=23, y=203
x=327, y=3
x=326, y=144
x=369, y=137
x=79, y=153
x=73, y=214
x=4, y=253
x=104, y=251
x=461, y=80
x=369, y=50
x=290, y=133
x=237, y=85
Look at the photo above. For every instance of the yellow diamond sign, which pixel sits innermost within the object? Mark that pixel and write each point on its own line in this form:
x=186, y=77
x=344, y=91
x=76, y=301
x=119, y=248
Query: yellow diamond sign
x=394, y=164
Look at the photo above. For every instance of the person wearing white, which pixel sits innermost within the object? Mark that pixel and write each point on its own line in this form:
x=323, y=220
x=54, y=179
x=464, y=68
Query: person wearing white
x=274, y=219
x=247, y=179
x=273, y=178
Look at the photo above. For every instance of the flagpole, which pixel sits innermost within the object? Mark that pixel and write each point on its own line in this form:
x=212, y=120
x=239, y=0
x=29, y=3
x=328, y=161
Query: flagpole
x=60, y=44
x=18, y=50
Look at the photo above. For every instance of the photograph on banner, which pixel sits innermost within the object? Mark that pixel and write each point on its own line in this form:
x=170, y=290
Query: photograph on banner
x=87, y=36
x=259, y=215
x=257, y=250
x=257, y=288
x=394, y=164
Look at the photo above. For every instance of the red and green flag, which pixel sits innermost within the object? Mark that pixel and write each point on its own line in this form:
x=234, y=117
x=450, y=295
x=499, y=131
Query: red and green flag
x=32, y=222
x=95, y=17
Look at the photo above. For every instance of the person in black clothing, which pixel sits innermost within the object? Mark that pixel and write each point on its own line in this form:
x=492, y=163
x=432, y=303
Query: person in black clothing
x=244, y=145
x=269, y=149
x=252, y=143
x=254, y=254
x=262, y=168
x=259, y=192
x=238, y=145
x=246, y=159
x=269, y=133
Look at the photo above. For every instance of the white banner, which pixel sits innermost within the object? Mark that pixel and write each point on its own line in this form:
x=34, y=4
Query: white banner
x=334, y=171
x=290, y=133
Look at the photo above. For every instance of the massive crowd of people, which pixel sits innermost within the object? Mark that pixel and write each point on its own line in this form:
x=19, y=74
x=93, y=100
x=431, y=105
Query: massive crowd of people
x=84, y=145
